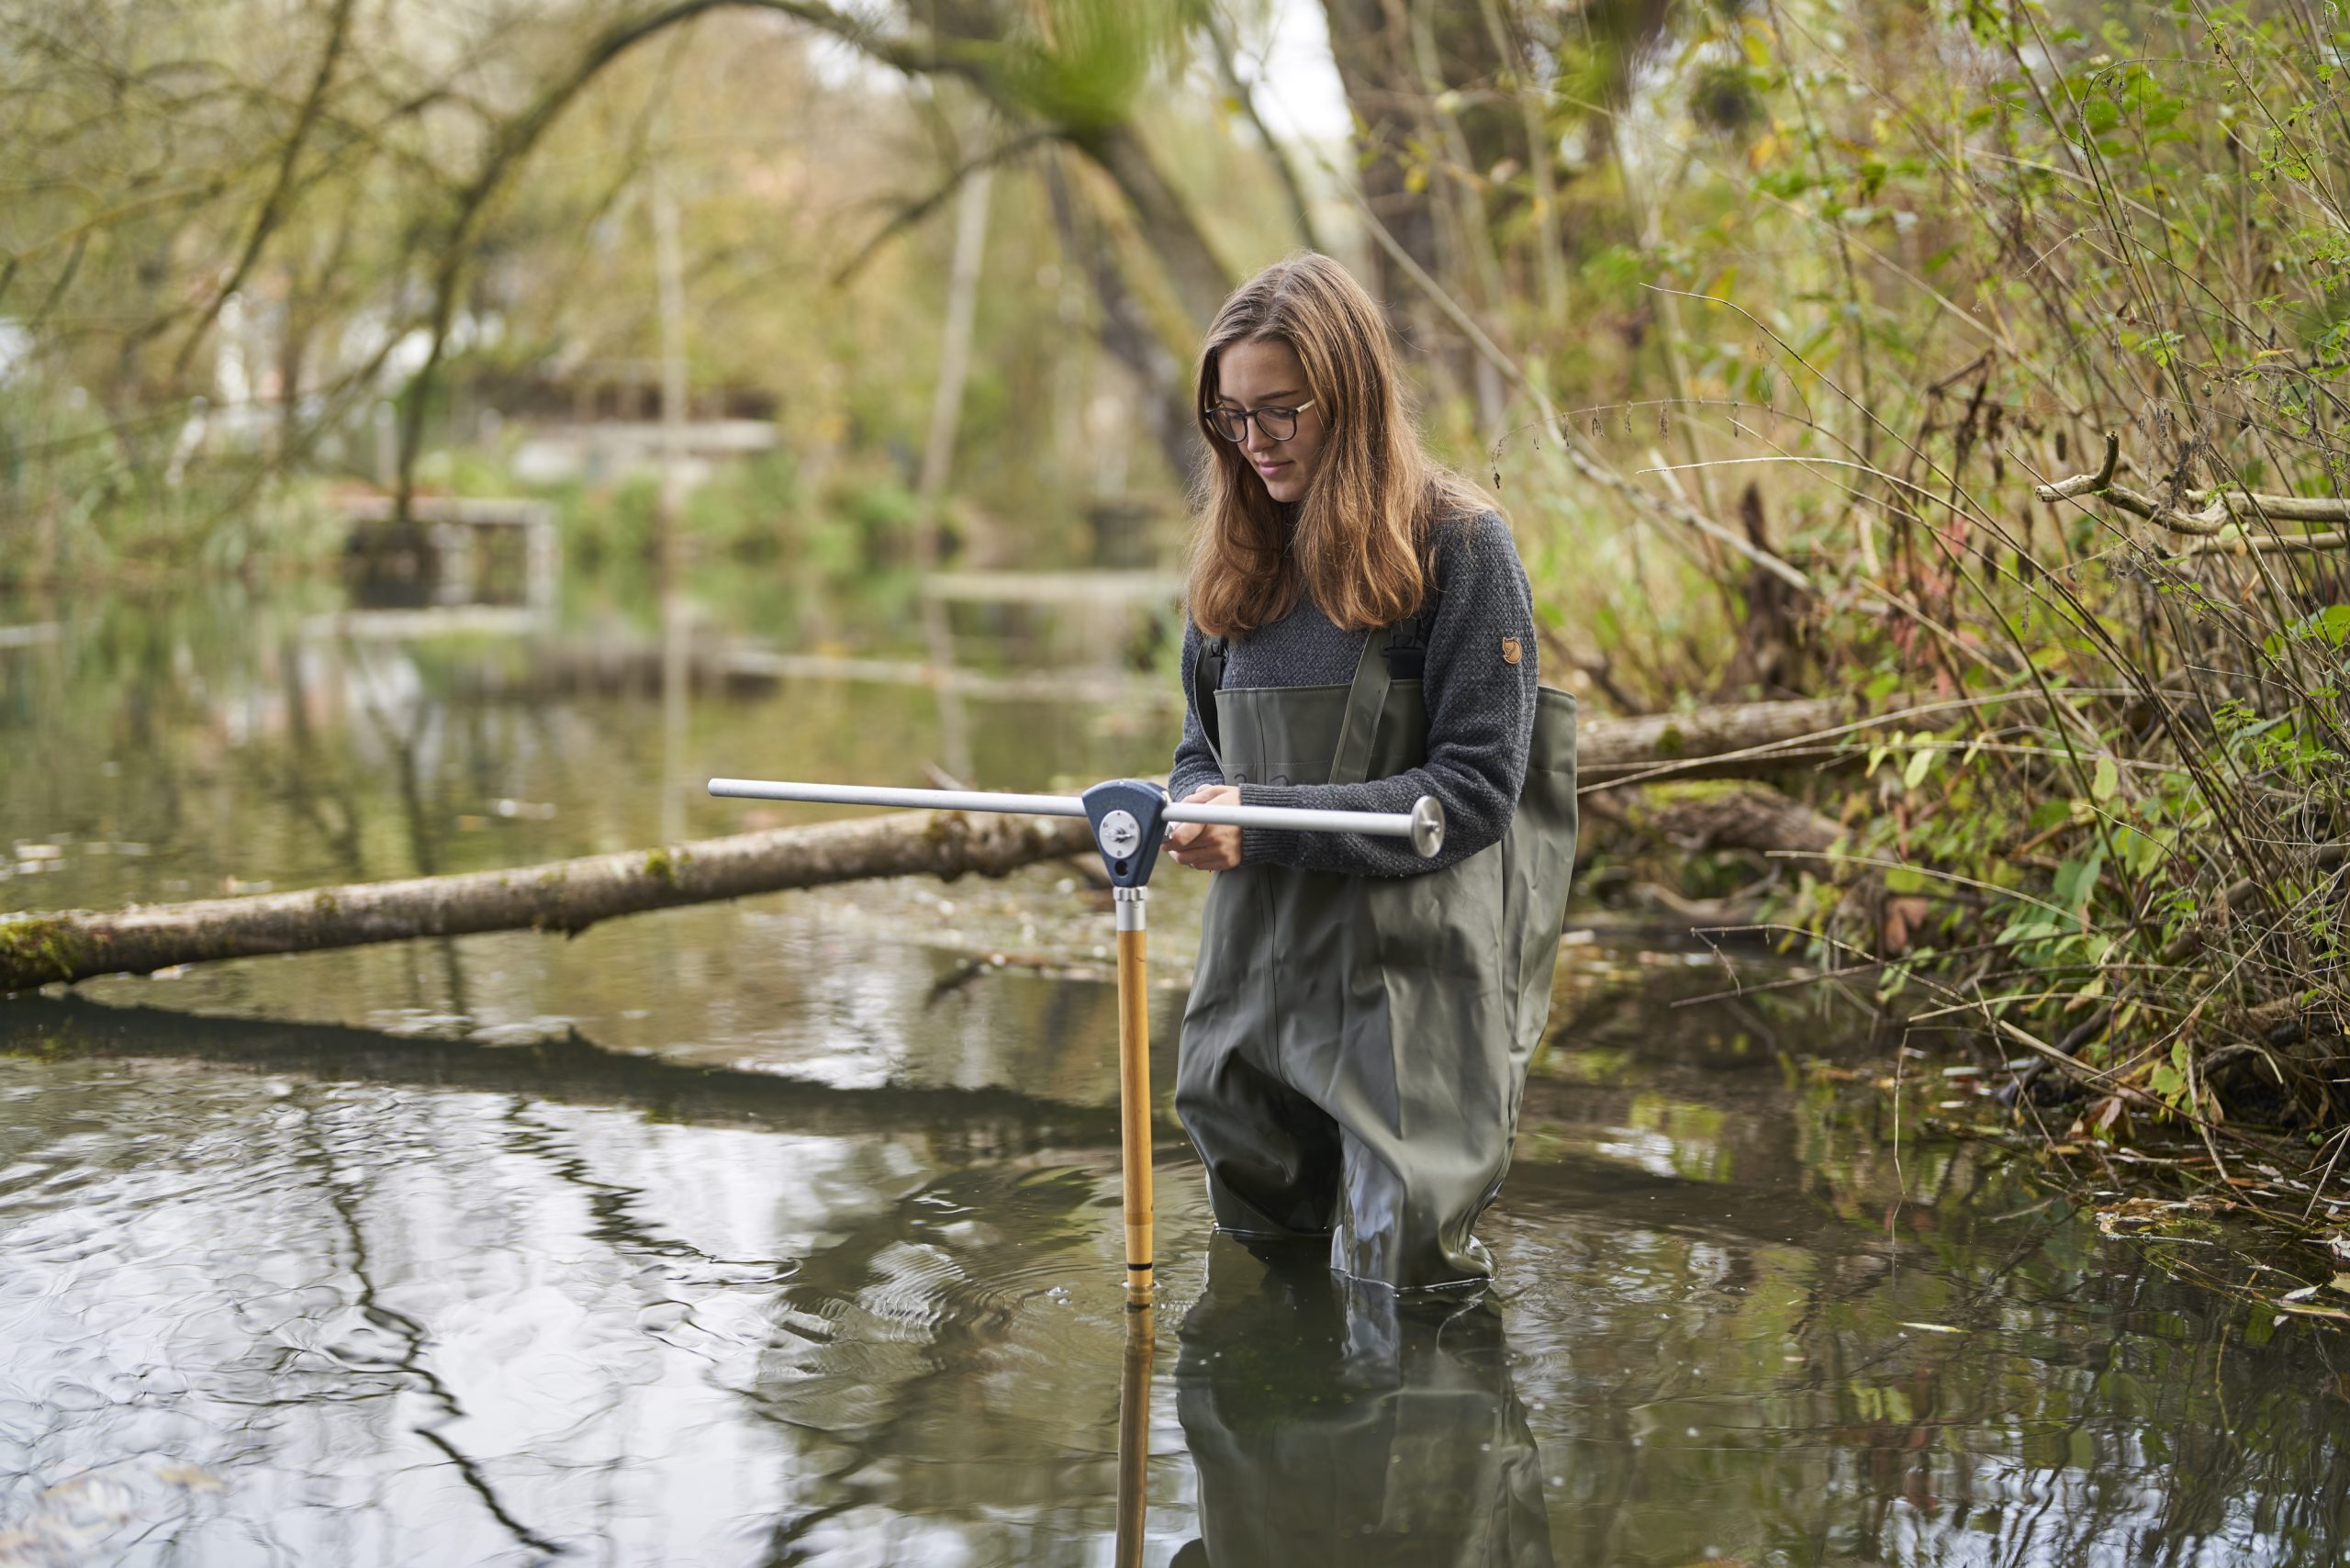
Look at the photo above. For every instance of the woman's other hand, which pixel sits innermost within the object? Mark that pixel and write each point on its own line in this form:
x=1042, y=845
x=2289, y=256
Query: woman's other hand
x=1203, y=847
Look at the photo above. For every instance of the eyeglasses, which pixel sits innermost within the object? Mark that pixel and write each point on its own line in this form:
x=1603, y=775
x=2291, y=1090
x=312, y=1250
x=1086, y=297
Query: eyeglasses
x=1279, y=424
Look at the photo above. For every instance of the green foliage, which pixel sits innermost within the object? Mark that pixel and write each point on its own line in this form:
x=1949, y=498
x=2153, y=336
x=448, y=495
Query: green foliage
x=1082, y=63
x=1950, y=248
x=1845, y=283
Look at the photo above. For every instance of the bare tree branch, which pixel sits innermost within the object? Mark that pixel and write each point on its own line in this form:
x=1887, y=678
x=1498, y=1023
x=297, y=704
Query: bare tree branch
x=2219, y=509
x=912, y=213
x=275, y=205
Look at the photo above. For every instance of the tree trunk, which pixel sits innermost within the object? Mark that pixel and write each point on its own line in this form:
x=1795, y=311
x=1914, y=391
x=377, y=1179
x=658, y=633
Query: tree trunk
x=1126, y=329
x=939, y=451
x=1199, y=277
x=1381, y=83
x=571, y=895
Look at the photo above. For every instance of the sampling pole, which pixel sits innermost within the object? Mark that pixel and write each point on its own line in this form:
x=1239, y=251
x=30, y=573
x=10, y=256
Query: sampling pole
x=1129, y=817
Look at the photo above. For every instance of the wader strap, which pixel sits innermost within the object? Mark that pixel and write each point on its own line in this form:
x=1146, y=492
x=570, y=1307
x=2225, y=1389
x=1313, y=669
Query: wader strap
x=1396, y=654
x=1207, y=680
x=1350, y=763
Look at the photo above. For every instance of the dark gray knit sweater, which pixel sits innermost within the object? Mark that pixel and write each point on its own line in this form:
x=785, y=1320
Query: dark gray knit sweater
x=1481, y=711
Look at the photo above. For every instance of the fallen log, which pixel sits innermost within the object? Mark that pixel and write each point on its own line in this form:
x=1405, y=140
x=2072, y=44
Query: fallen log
x=1733, y=740
x=568, y=896
x=1760, y=820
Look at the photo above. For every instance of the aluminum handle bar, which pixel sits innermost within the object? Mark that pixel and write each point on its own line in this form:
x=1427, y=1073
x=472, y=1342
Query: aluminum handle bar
x=1423, y=825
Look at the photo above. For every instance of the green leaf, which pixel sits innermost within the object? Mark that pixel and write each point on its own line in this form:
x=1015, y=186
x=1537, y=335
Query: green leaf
x=2107, y=780
x=2332, y=623
x=2077, y=880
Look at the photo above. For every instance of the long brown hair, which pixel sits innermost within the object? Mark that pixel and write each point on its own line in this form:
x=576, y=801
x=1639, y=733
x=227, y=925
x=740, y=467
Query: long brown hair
x=1358, y=541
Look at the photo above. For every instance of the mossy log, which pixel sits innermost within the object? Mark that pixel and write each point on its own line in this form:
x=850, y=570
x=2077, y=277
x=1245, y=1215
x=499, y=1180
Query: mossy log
x=568, y=896
x=1733, y=816
x=571, y=895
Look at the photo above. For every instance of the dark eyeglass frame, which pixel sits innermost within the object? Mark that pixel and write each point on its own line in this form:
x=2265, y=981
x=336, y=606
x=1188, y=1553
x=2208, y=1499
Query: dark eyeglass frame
x=1233, y=423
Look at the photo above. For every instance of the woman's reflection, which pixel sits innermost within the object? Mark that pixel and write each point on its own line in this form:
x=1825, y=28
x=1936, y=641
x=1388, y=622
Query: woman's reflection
x=1328, y=1418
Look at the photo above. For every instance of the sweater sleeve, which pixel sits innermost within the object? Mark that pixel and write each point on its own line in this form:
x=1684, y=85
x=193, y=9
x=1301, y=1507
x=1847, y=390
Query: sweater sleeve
x=1195, y=763
x=1480, y=722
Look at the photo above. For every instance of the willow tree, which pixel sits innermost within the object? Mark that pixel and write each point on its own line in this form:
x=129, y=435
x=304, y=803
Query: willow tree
x=1070, y=70
x=163, y=159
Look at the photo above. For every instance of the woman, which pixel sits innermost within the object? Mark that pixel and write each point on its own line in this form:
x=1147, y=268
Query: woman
x=1361, y=635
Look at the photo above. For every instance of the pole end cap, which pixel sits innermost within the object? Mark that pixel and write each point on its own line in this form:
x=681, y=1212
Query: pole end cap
x=1428, y=826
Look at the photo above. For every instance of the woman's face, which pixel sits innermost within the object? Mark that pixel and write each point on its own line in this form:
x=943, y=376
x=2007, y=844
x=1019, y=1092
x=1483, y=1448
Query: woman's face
x=1264, y=372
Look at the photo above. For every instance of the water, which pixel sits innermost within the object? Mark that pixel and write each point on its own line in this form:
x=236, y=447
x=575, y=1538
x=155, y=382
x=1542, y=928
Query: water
x=787, y=1231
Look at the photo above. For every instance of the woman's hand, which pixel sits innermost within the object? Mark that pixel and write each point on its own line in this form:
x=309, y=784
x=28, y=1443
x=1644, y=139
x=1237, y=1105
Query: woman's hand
x=1202, y=846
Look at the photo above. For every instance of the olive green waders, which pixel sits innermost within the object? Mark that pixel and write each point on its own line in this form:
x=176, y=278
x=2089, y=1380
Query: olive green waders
x=1355, y=1047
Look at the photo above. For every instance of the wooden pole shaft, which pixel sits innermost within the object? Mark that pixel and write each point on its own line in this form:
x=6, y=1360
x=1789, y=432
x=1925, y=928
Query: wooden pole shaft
x=1133, y=1102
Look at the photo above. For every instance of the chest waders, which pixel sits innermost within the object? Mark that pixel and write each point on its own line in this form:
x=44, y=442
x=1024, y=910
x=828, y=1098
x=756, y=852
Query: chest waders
x=1355, y=1047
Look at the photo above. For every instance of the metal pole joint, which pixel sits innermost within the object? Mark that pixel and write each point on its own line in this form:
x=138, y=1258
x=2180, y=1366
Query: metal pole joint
x=1129, y=819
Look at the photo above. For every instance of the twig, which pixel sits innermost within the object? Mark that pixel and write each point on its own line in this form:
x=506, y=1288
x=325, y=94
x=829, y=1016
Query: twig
x=1562, y=431
x=2086, y=483
x=914, y=212
x=2266, y=545
x=2220, y=507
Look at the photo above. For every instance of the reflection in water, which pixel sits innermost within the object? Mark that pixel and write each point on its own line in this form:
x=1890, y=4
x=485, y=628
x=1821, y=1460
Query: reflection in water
x=347, y=1297
x=1336, y=1422
x=185, y=747
x=732, y=1236
x=1133, y=1436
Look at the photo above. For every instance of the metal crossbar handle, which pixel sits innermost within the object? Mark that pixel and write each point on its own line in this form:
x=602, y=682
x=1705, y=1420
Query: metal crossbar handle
x=1129, y=816
x=1423, y=825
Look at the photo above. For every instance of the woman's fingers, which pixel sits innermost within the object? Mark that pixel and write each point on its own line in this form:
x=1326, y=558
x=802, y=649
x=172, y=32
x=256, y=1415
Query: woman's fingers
x=1201, y=846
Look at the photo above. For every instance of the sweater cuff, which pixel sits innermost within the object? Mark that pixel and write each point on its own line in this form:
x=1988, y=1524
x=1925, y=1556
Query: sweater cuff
x=1270, y=845
x=1178, y=786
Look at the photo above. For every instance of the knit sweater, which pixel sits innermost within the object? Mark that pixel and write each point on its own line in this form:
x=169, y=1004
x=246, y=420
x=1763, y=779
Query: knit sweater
x=1480, y=708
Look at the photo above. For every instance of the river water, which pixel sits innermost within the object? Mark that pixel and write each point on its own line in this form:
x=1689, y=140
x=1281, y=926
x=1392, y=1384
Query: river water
x=787, y=1231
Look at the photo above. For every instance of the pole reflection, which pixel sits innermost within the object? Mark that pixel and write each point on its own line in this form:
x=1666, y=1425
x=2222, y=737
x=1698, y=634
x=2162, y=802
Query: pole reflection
x=1325, y=1415
x=1133, y=1436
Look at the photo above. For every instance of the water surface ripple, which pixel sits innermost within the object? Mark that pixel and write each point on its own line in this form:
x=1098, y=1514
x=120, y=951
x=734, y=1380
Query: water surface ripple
x=787, y=1231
